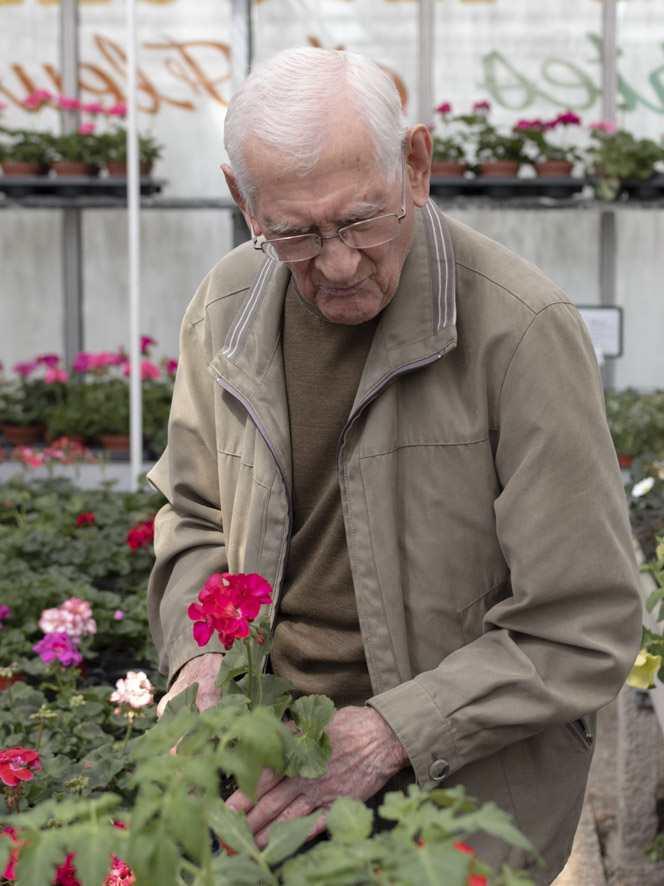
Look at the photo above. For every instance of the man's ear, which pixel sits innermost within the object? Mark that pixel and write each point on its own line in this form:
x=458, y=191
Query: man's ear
x=418, y=148
x=229, y=175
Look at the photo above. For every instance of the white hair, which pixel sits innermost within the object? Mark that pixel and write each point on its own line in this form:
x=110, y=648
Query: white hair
x=291, y=102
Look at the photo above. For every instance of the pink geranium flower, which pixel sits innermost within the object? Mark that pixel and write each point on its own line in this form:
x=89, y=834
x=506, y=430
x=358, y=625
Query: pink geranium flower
x=603, y=126
x=481, y=106
x=226, y=605
x=86, y=128
x=51, y=376
x=9, y=872
x=135, y=690
x=120, y=874
x=171, y=367
x=94, y=108
x=73, y=617
x=445, y=108
x=18, y=764
x=148, y=369
x=566, y=119
x=119, y=109
x=69, y=104
x=146, y=343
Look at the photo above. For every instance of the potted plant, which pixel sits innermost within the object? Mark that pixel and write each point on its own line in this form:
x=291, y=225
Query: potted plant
x=449, y=152
x=24, y=400
x=549, y=157
x=80, y=152
x=23, y=152
x=619, y=161
x=115, y=152
x=498, y=154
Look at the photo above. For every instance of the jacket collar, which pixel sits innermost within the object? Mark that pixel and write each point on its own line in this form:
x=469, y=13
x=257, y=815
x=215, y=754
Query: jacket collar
x=419, y=321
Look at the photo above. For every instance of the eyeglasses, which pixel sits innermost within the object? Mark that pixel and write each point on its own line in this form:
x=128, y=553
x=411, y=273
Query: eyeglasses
x=358, y=235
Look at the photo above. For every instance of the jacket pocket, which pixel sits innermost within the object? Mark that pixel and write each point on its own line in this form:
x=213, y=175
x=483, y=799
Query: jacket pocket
x=581, y=732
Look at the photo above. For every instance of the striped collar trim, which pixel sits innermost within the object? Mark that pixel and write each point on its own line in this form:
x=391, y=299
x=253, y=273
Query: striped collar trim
x=441, y=264
x=250, y=306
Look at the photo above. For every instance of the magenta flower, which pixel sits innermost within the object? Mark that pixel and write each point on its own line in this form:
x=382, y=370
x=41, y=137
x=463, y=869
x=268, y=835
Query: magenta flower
x=28, y=455
x=61, y=647
x=171, y=367
x=146, y=343
x=93, y=108
x=5, y=613
x=566, y=119
x=50, y=360
x=481, y=106
x=119, y=109
x=227, y=604
x=86, y=128
x=118, y=615
x=445, y=108
x=25, y=369
x=148, y=369
x=87, y=518
x=55, y=375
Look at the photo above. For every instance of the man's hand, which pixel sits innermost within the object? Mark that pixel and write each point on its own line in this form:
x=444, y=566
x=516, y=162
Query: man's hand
x=365, y=754
x=202, y=670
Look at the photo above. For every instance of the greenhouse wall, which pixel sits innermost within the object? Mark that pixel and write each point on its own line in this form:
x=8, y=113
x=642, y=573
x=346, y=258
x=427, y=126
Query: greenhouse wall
x=527, y=59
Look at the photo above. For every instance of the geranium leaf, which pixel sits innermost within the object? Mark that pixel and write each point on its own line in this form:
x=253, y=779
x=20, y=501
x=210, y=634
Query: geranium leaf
x=38, y=859
x=286, y=837
x=93, y=854
x=349, y=820
x=312, y=713
x=309, y=757
x=232, y=828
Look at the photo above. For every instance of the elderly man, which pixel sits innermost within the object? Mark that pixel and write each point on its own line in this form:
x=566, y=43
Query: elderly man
x=399, y=424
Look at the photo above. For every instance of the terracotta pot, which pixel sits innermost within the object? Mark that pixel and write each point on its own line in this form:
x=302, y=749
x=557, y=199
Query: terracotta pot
x=115, y=442
x=500, y=168
x=625, y=460
x=448, y=168
x=119, y=170
x=21, y=435
x=66, y=168
x=13, y=168
x=5, y=683
x=554, y=168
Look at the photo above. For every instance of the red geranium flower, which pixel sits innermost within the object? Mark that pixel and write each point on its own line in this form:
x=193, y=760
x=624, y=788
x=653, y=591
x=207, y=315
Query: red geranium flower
x=227, y=604
x=86, y=519
x=9, y=872
x=65, y=874
x=140, y=535
x=18, y=764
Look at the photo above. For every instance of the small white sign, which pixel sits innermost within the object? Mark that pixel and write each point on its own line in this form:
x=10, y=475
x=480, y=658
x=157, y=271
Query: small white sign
x=604, y=323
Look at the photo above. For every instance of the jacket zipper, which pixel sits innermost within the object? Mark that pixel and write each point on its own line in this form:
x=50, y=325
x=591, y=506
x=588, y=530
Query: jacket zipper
x=374, y=392
x=261, y=429
x=579, y=727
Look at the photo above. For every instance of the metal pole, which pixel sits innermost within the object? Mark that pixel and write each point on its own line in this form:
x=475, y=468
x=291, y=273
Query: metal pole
x=607, y=231
x=241, y=45
x=426, y=42
x=609, y=60
x=134, y=248
x=72, y=277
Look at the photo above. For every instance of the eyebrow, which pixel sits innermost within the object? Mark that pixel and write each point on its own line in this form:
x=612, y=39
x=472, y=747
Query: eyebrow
x=285, y=228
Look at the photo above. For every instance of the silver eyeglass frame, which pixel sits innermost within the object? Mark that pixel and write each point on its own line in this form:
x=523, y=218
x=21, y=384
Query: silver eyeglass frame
x=340, y=233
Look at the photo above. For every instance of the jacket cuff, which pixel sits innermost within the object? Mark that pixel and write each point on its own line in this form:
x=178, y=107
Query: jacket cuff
x=422, y=730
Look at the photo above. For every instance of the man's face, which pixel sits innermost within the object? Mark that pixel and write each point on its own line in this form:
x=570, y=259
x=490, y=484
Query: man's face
x=347, y=285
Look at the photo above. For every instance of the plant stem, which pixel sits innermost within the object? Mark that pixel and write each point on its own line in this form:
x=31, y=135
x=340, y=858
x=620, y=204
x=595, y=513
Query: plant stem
x=130, y=726
x=39, y=734
x=249, y=673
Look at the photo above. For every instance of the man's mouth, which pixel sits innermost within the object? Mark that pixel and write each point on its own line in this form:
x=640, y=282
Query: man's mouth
x=341, y=291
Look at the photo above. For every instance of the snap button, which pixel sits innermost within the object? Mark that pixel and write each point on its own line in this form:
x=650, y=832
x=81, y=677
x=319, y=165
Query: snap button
x=439, y=770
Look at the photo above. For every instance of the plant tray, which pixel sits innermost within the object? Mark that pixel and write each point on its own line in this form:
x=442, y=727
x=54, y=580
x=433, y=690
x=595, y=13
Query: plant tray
x=16, y=187
x=484, y=186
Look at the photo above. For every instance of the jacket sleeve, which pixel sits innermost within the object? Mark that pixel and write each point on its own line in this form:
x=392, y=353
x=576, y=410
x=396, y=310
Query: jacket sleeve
x=189, y=536
x=561, y=644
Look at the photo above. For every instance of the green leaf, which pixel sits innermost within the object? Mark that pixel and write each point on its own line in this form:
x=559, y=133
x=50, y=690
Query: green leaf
x=286, y=837
x=38, y=858
x=236, y=870
x=184, y=700
x=424, y=865
x=349, y=820
x=232, y=828
x=93, y=854
x=312, y=713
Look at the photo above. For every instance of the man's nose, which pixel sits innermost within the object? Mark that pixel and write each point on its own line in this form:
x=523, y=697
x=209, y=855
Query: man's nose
x=337, y=261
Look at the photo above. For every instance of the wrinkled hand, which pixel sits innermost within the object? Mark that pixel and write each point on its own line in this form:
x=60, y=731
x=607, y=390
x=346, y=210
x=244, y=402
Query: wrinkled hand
x=365, y=754
x=202, y=670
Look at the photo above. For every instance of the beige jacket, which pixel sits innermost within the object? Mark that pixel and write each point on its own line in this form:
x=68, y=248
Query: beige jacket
x=484, y=511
